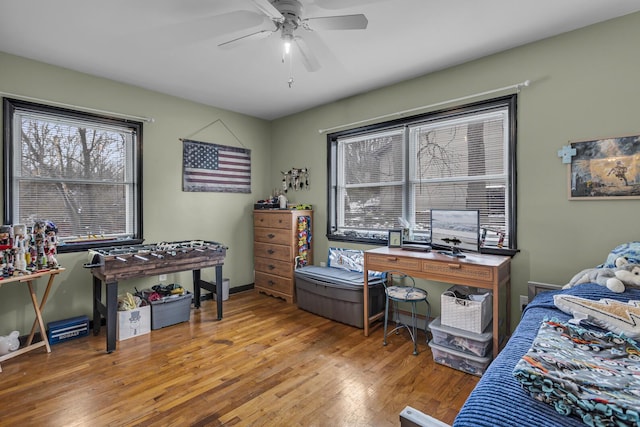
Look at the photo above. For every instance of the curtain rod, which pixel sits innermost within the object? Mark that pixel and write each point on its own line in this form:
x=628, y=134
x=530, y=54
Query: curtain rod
x=517, y=86
x=93, y=110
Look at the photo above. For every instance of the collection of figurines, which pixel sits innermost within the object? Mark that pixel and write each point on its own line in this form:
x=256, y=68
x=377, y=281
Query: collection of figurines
x=24, y=250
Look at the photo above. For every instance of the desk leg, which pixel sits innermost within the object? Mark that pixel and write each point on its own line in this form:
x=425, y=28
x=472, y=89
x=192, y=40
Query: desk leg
x=112, y=315
x=42, y=303
x=43, y=332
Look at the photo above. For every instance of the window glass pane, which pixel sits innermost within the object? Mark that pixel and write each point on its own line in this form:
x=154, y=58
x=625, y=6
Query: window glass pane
x=382, y=178
x=370, y=185
x=77, y=170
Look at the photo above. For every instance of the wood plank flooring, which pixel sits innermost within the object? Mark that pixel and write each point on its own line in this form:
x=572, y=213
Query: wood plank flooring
x=267, y=363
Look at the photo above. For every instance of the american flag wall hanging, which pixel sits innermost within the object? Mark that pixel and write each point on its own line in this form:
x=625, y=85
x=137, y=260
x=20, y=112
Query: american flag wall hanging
x=215, y=168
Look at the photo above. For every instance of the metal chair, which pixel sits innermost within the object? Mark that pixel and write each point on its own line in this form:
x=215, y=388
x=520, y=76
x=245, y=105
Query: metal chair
x=397, y=292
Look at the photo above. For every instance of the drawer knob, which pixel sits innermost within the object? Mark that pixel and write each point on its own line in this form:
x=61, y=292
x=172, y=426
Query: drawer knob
x=271, y=267
x=393, y=259
x=456, y=266
x=271, y=282
x=271, y=252
x=271, y=235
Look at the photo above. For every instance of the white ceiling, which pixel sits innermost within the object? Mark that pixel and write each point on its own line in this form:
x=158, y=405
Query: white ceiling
x=171, y=46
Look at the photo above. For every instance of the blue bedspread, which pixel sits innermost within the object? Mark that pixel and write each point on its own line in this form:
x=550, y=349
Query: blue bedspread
x=498, y=399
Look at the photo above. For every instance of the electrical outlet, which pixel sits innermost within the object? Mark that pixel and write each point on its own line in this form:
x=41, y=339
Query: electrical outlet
x=162, y=277
x=323, y=264
x=524, y=300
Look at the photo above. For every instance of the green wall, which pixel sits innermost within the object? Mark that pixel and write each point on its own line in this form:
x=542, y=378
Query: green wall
x=169, y=213
x=584, y=86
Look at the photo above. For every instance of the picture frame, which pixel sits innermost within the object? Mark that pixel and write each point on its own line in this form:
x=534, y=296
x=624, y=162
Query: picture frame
x=605, y=169
x=395, y=239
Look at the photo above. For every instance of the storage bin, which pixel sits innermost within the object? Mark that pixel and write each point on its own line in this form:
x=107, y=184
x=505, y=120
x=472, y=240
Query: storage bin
x=337, y=294
x=467, y=314
x=171, y=310
x=67, y=329
x=133, y=323
x=458, y=360
x=461, y=340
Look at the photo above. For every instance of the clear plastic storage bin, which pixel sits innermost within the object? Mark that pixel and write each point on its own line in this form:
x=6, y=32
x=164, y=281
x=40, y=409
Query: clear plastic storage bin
x=458, y=360
x=461, y=340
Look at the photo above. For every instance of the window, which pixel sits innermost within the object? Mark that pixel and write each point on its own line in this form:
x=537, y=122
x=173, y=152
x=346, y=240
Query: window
x=78, y=170
x=385, y=175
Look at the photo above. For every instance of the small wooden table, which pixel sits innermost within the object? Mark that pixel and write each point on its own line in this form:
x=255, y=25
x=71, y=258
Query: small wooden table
x=477, y=270
x=37, y=308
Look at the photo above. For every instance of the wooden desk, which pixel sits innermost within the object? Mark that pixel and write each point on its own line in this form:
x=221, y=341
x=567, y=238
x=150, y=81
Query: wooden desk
x=37, y=308
x=482, y=271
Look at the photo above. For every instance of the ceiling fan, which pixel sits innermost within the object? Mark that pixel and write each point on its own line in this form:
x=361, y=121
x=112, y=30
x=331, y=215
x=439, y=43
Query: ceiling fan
x=286, y=17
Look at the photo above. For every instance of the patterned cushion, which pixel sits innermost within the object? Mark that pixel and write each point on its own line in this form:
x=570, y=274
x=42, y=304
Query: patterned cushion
x=631, y=251
x=405, y=293
x=616, y=316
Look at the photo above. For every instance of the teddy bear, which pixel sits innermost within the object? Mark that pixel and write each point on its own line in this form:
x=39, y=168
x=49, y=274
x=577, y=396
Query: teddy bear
x=615, y=279
x=9, y=343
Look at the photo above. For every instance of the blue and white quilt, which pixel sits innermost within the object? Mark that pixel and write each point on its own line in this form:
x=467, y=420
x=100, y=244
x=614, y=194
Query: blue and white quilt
x=499, y=400
x=583, y=372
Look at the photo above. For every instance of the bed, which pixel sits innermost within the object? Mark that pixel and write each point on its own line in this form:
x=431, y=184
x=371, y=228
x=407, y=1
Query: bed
x=499, y=399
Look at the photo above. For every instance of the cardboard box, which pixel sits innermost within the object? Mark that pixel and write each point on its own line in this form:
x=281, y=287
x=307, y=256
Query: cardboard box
x=133, y=323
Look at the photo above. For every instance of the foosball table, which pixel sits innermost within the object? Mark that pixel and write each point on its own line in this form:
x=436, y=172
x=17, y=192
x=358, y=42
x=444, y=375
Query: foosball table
x=112, y=264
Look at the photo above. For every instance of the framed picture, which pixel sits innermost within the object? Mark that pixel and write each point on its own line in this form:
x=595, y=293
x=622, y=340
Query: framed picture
x=605, y=169
x=395, y=238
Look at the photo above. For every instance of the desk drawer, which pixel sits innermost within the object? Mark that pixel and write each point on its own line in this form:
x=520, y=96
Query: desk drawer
x=266, y=250
x=272, y=266
x=273, y=283
x=476, y=273
x=391, y=262
x=273, y=220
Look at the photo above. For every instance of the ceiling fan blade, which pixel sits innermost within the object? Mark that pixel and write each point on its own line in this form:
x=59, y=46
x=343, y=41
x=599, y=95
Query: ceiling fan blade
x=268, y=9
x=343, y=22
x=262, y=34
x=308, y=58
x=342, y=4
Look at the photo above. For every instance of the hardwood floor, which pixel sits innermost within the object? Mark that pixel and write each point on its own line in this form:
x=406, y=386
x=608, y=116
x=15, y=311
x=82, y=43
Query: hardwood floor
x=266, y=363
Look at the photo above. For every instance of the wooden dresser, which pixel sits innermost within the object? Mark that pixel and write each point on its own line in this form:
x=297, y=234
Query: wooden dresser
x=281, y=238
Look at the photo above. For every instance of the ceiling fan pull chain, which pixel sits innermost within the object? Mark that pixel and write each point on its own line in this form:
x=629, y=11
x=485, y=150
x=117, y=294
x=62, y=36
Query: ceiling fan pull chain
x=290, y=81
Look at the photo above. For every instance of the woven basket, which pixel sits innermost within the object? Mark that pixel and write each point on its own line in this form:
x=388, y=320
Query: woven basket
x=472, y=316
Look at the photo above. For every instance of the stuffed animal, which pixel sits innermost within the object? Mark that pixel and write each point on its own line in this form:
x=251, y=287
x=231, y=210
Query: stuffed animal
x=9, y=343
x=615, y=279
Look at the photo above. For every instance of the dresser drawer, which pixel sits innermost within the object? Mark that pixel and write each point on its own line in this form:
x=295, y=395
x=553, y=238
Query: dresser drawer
x=272, y=266
x=475, y=273
x=273, y=283
x=391, y=262
x=272, y=235
x=267, y=250
x=272, y=220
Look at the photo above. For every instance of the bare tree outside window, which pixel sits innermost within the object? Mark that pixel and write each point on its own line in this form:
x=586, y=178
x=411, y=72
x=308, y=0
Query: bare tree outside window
x=74, y=170
x=387, y=178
